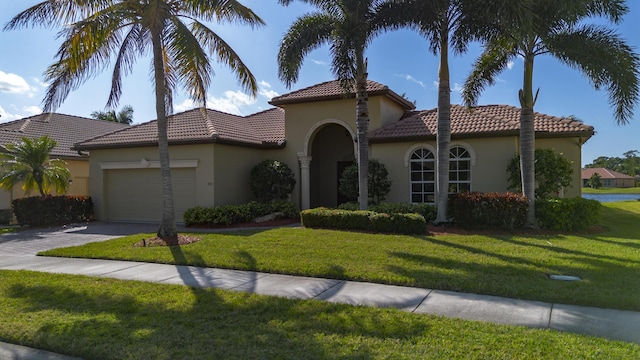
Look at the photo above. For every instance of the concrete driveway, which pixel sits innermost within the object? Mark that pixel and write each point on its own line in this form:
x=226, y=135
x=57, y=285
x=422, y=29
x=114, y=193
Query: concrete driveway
x=29, y=242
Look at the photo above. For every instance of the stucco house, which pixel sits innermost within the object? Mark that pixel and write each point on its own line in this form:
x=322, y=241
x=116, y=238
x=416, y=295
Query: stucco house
x=66, y=130
x=313, y=131
x=608, y=178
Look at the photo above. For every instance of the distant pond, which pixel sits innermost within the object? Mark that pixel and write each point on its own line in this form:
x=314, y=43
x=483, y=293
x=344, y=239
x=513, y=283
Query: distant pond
x=611, y=197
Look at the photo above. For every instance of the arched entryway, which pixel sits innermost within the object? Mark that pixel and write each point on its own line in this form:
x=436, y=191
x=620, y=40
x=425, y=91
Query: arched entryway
x=329, y=149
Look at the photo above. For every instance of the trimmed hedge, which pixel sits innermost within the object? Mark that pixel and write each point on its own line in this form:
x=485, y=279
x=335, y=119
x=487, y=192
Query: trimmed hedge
x=427, y=211
x=571, y=214
x=482, y=210
x=363, y=220
x=230, y=214
x=52, y=210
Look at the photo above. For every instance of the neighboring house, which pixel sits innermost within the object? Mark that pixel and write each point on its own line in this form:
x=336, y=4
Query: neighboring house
x=313, y=131
x=65, y=130
x=608, y=178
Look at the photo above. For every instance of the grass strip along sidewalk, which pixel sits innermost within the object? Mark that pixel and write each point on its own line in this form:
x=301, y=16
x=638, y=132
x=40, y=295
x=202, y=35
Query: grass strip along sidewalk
x=510, y=265
x=98, y=318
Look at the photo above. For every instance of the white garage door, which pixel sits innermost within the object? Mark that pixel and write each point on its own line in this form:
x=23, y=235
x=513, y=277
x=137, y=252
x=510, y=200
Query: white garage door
x=136, y=194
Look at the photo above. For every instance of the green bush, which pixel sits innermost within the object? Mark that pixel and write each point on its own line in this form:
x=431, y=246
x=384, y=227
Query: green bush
x=52, y=210
x=552, y=172
x=482, y=210
x=572, y=214
x=5, y=216
x=271, y=180
x=231, y=214
x=378, y=184
x=363, y=220
x=428, y=211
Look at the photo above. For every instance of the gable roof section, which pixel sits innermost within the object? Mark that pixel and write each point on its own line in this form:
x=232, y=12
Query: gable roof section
x=66, y=130
x=331, y=90
x=604, y=174
x=480, y=121
x=264, y=129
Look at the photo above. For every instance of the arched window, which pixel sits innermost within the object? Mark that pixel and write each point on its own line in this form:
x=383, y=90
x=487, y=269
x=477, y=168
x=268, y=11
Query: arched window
x=423, y=178
x=459, y=170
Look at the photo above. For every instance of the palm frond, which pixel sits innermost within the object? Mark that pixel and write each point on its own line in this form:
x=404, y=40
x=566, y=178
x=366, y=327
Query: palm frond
x=493, y=60
x=306, y=34
x=606, y=60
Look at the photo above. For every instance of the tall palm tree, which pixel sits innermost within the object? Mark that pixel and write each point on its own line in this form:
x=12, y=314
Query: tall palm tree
x=28, y=163
x=180, y=45
x=558, y=28
x=347, y=26
x=124, y=116
x=450, y=24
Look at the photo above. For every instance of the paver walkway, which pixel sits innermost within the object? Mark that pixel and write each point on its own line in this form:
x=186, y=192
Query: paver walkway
x=608, y=323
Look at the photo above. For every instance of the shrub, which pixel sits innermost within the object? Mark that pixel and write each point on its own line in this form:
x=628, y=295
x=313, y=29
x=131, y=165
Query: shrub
x=52, y=210
x=482, y=210
x=363, y=220
x=571, y=214
x=271, y=180
x=428, y=211
x=378, y=184
x=230, y=214
x=552, y=172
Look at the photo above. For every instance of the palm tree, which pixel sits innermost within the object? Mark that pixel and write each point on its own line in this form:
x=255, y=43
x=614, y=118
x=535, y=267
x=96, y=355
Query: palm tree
x=348, y=26
x=124, y=116
x=28, y=163
x=180, y=55
x=450, y=24
x=558, y=28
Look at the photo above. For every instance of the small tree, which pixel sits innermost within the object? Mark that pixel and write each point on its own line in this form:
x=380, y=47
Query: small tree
x=552, y=172
x=379, y=185
x=595, y=181
x=271, y=180
x=28, y=163
x=124, y=116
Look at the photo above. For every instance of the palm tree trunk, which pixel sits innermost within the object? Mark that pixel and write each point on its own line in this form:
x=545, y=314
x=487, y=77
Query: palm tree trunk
x=362, y=126
x=527, y=140
x=444, y=124
x=167, y=230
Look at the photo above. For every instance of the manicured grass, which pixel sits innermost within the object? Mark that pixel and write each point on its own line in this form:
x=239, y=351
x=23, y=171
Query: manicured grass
x=505, y=265
x=96, y=318
x=633, y=190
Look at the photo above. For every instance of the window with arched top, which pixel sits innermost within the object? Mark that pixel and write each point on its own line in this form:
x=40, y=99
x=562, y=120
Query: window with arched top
x=459, y=170
x=422, y=176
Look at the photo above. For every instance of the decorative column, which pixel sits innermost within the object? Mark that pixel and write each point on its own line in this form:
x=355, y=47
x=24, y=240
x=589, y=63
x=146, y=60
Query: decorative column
x=305, y=181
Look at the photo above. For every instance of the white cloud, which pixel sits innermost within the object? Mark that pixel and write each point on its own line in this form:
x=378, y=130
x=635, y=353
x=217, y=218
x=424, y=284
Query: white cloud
x=187, y=104
x=412, y=79
x=455, y=88
x=510, y=65
x=13, y=84
x=265, y=90
x=319, y=62
x=25, y=111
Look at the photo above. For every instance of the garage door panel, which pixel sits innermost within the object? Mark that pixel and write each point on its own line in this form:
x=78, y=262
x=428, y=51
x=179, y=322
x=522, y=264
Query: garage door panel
x=136, y=194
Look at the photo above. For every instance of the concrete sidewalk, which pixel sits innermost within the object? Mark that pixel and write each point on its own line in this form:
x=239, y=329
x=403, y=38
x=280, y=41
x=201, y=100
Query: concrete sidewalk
x=21, y=248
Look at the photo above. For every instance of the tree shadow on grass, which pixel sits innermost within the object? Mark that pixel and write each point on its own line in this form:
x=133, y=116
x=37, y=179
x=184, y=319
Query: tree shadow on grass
x=112, y=319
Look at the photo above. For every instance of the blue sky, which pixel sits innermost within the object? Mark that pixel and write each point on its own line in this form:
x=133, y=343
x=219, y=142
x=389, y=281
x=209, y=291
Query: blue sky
x=399, y=59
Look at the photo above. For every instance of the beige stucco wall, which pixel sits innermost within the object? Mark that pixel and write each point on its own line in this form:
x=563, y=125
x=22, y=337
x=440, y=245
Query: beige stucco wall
x=571, y=149
x=489, y=172
x=79, y=185
x=222, y=172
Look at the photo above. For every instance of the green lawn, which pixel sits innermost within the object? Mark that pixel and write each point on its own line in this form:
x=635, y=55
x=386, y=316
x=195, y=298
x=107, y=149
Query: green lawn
x=505, y=265
x=97, y=318
x=633, y=190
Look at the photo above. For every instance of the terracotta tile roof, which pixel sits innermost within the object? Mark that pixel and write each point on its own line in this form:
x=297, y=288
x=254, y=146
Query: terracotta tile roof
x=604, y=174
x=489, y=120
x=264, y=129
x=65, y=129
x=331, y=90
